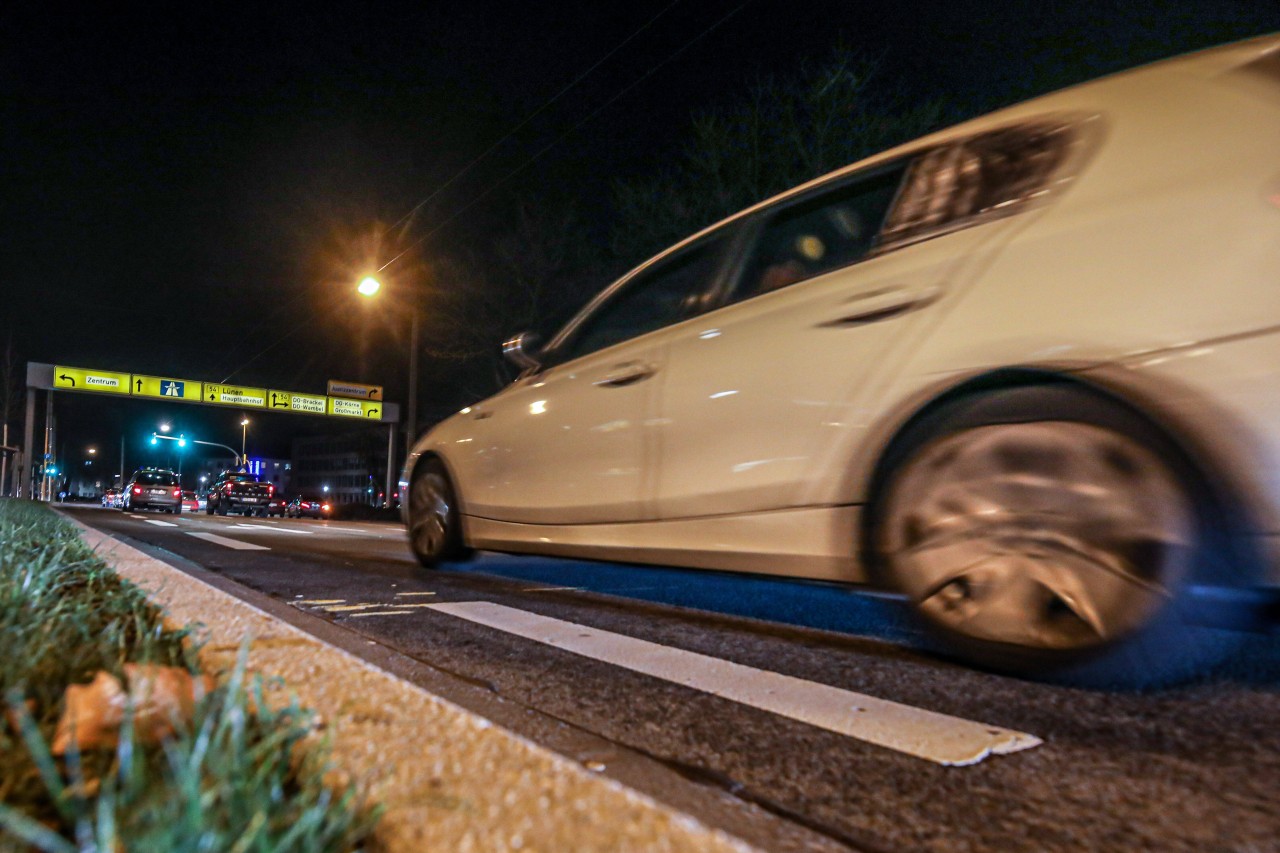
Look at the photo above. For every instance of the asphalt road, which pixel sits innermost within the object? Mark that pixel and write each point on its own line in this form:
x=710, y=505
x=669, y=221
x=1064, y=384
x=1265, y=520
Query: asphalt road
x=1190, y=768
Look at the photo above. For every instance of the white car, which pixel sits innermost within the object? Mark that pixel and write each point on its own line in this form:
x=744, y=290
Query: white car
x=1024, y=371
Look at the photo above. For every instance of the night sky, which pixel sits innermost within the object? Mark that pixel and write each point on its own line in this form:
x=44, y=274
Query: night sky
x=183, y=186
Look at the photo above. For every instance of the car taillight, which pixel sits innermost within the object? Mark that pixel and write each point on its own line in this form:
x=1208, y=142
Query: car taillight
x=177, y=493
x=137, y=490
x=271, y=490
x=325, y=507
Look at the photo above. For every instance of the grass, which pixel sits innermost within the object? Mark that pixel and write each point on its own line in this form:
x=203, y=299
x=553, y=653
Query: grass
x=237, y=778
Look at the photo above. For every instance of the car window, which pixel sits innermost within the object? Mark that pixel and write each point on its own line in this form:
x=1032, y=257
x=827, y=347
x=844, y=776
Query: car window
x=156, y=478
x=992, y=174
x=655, y=298
x=822, y=233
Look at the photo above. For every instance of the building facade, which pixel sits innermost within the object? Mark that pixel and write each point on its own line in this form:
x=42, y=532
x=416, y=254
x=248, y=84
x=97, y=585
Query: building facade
x=347, y=468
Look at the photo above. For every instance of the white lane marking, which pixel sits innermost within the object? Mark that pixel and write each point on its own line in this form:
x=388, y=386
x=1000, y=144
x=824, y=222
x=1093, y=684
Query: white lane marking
x=260, y=528
x=382, y=613
x=552, y=589
x=135, y=515
x=229, y=543
x=160, y=523
x=915, y=731
x=351, y=530
x=401, y=594
x=322, y=601
x=343, y=608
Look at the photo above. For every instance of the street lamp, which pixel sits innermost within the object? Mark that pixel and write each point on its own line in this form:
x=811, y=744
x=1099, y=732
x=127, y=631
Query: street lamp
x=369, y=287
x=244, y=432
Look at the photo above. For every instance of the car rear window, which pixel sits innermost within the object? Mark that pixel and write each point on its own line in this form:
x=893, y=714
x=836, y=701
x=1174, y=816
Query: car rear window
x=156, y=478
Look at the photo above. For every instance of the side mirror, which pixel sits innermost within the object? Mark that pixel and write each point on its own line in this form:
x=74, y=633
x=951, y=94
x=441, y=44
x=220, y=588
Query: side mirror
x=520, y=349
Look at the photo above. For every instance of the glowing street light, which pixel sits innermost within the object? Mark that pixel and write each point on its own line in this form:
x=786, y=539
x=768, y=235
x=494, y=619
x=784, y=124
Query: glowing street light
x=165, y=427
x=244, y=432
x=369, y=287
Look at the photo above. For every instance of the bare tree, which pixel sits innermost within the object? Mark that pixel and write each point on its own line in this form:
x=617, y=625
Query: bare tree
x=785, y=131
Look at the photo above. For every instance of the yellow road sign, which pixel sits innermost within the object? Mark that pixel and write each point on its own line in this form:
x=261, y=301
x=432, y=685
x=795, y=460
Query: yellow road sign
x=356, y=390
x=292, y=401
x=87, y=379
x=234, y=395
x=355, y=408
x=165, y=388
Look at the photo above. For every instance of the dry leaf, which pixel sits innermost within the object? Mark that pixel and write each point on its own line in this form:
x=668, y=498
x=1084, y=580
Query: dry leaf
x=162, y=697
x=91, y=713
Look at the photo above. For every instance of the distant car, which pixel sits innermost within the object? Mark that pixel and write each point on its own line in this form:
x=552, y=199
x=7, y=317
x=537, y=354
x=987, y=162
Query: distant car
x=190, y=502
x=111, y=498
x=276, y=505
x=238, y=491
x=1023, y=372
x=152, y=488
x=309, y=506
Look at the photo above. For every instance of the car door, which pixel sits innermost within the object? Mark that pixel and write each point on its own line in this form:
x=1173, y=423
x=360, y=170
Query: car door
x=572, y=443
x=760, y=397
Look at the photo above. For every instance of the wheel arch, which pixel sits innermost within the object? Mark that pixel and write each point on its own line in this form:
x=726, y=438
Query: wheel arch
x=1231, y=499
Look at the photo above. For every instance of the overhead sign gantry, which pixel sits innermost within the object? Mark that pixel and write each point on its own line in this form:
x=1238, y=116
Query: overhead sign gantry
x=88, y=380
x=58, y=377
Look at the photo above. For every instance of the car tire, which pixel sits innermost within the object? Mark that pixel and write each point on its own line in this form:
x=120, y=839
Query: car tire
x=435, y=525
x=1050, y=532
x=221, y=508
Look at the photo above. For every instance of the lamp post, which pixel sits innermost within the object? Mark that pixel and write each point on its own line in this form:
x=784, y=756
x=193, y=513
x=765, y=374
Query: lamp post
x=244, y=432
x=368, y=288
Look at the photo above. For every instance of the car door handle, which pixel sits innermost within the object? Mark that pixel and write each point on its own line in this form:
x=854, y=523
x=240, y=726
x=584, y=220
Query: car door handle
x=883, y=304
x=627, y=373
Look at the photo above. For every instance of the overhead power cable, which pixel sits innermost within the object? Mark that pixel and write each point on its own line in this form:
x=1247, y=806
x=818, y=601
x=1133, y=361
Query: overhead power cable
x=408, y=217
x=529, y=162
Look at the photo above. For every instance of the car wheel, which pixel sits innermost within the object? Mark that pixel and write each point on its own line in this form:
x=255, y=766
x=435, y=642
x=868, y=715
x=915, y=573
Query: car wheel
x=435, y=528
x=221, y=508
x=1045, y=531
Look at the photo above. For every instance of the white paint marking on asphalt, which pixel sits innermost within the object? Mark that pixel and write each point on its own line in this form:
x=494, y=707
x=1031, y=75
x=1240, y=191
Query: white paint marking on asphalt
x=160, y=523
x=552, y=589
x=259, y=528
x=135, y=515
x=915, y=731
x=382, y=613
x=350, y=530
x=228, y=543
x=400, y=594
x=343, y=608
x=323, y=601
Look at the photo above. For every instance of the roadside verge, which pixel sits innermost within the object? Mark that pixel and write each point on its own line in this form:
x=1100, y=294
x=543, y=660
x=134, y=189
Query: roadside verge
x=446, y=778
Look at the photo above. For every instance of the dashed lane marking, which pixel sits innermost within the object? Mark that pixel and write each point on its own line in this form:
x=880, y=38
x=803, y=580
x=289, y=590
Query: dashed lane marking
x=261, y=528
x=227, y=543
x=160, y=523
x=915, y=731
